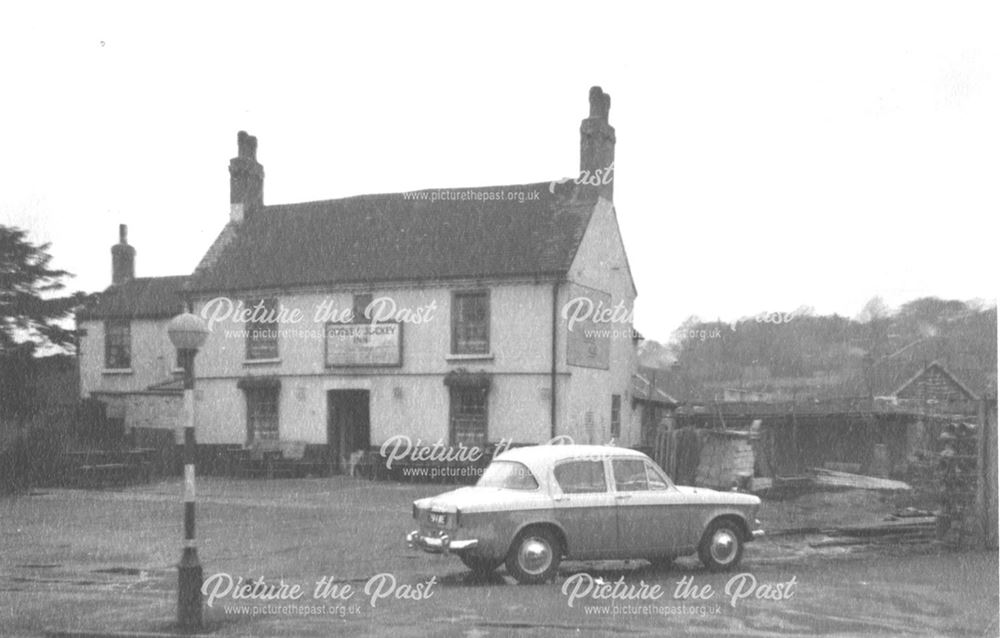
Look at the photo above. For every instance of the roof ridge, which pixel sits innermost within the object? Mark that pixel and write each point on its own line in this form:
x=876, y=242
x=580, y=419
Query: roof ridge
x=373, y=196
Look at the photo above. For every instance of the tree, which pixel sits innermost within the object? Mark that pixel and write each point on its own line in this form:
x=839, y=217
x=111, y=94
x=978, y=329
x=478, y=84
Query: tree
x=28, y=309
x=874, y=310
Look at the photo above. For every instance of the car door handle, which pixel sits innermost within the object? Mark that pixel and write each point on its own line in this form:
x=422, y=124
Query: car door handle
x=622, y=497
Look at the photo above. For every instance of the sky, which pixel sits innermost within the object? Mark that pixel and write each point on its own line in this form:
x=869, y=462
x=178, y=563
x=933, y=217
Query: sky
x=770, y=155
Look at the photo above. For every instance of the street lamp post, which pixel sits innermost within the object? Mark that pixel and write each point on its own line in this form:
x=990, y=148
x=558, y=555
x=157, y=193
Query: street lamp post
x=188, y=332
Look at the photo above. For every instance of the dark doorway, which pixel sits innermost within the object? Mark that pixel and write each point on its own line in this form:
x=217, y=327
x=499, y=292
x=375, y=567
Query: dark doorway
x=348, y=428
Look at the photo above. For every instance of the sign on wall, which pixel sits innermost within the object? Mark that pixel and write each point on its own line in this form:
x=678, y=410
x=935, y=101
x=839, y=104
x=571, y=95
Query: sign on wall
x=364, y=344
x=588, y=343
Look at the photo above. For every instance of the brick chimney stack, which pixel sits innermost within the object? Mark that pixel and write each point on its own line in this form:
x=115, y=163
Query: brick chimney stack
x=246, y=179
x=597, y=143
x=122, y=258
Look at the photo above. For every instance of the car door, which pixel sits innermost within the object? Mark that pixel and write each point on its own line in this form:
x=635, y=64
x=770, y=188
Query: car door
x=653, y=515
x=585, y=507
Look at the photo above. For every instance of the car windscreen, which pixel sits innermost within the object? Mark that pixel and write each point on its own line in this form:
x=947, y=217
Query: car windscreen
x=509, y=475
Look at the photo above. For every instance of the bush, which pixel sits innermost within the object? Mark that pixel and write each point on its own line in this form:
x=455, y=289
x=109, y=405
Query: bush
x=33, y=458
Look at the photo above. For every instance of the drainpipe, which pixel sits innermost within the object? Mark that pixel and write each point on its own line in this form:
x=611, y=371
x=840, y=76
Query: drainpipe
x=552, y=380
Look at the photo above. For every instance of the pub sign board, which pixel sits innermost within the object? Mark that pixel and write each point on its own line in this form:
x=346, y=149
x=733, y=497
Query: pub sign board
x=351, y=345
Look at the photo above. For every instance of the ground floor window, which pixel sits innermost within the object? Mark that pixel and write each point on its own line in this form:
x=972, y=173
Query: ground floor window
x=262, y=414
x=468, y=415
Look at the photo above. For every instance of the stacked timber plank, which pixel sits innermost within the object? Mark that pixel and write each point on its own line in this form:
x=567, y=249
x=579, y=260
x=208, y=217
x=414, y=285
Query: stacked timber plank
x=831, y=478
x=921, y=529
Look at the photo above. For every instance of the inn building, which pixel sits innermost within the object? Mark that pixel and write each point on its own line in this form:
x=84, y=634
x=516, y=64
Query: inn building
x=469, y=316
x=126, y=359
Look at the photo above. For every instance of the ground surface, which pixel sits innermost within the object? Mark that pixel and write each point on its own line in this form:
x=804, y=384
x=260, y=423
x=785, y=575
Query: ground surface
x=104, y=561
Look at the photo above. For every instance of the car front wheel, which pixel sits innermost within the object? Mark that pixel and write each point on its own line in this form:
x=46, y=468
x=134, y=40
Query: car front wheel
x=534, y=557
x=721, y=547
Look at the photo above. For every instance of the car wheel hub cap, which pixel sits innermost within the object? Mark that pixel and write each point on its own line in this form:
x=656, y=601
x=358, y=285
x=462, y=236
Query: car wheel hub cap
x=535, y=556
x=723, y=547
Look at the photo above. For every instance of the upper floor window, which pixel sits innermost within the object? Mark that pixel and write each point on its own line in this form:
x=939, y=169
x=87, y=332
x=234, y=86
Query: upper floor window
x=117, y=344
x=361, y=302
x=262, y=330
x=470, y=323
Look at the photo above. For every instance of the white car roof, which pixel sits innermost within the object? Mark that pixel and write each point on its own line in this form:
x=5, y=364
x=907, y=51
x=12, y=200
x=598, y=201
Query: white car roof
x=539, y=457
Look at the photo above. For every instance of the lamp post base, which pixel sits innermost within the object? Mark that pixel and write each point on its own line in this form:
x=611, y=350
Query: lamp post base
x=189, y=580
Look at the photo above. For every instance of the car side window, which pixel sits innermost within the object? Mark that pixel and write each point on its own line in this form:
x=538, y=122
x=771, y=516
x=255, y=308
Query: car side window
x=581, y=477
x=656, y=479
x=630, y=475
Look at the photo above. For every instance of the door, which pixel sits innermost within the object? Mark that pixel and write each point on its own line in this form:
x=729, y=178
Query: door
x=585, y=507
x=348, y=429
x=654, y=518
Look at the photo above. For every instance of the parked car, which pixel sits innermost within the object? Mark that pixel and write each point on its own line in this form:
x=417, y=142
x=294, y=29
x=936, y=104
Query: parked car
x=534, y=506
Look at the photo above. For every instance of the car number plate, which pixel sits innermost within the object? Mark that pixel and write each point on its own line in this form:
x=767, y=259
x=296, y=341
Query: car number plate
x=438, y=518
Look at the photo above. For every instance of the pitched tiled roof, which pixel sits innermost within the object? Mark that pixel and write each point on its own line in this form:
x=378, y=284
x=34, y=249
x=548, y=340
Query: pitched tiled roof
x=139, y=298
x=501, y=231
x=890, y=373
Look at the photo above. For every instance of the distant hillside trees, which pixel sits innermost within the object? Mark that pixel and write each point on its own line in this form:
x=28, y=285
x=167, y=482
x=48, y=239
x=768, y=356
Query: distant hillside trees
x=758, y=351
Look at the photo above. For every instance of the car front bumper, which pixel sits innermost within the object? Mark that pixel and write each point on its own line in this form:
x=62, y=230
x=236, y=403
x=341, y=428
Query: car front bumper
x=439, y=544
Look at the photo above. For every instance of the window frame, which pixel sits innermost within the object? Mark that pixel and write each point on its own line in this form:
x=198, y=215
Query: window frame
x=453, y=392
x=600, y=462
x=455, y=320
x=254, y=398
x=111, y=362
x=660, y=474
x=624, y=459
x=250, y=342
x=524, y=469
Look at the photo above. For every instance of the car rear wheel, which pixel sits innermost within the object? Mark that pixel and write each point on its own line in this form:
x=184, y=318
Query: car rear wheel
x=534, y=557
x=721, y=547
x=480, y=565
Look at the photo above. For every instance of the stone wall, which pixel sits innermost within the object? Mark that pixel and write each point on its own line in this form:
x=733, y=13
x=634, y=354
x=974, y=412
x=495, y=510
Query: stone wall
x=726, y=459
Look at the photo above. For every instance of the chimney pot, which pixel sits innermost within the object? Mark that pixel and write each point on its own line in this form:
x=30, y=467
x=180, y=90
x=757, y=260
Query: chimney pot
x=600, y=103
x=246, y=179
x=246, y=146
x=597, y=145
x=122, y=258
